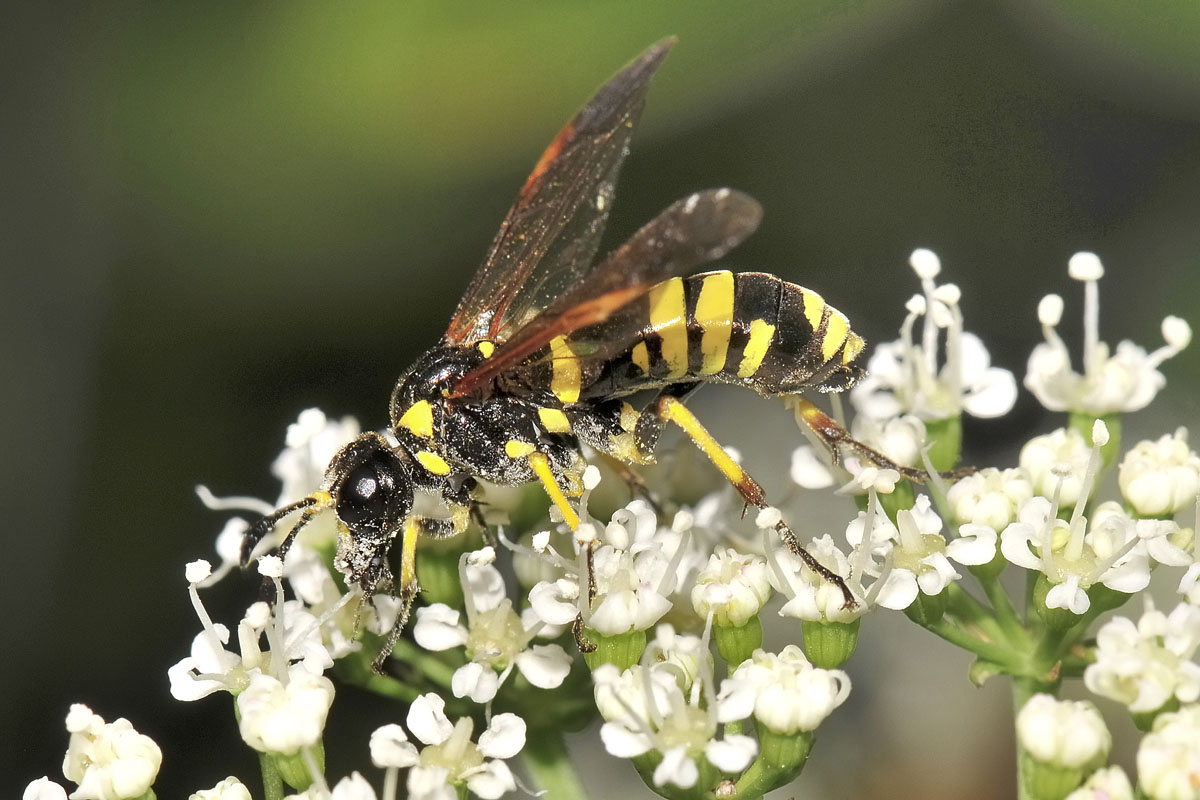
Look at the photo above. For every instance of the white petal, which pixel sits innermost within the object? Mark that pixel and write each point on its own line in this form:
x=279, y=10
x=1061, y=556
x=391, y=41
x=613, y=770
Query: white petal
x=731, y=754
x=899, y=590
x=544, y=665
x=1068, y=595
x=44, y=789
x=621, y=742
x=676, y=767
x=491, y=781
x=353, y=787
x=504, y=737
x=735, y=701
x=976, y=545
x=993, y=395
x=554, y=602
x=808, y=471
x=1014, y=544
x=427, y=719
x=390, y=747
x=437, y=628
x=430, y=783
x=477, y=681
x=486, y=585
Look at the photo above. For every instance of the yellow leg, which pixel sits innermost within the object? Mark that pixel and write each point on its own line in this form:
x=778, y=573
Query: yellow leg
x=541, y=468
x=672, y=410
x=408, y=554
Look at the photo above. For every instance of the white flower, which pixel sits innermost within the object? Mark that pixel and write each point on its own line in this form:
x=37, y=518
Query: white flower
x=229, y=789
x=1144, y=665
x=785, y=692
x=289, y=627
x=1057, y=462
x=109, y=761
x=1066, y=733
x=732, y=586
x=686, y=655
x=1073, y=557
x=916, y=555
x=496, y=638
x=450, y=759
x=277, y=716
x=646, y=709
x=904, y=376
x=809, y=596
x=44, y=789
x=312, y=442
x=1126, y=381
x=1106, y=783
x=1160, y=478
x=1168, y=758
x=990, y=497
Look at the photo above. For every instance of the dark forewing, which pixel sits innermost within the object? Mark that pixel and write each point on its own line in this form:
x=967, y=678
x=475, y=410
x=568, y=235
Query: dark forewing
x=693, y=231
x=551, y=233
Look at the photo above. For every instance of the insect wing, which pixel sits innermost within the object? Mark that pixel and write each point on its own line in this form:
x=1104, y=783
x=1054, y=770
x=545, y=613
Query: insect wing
x=553, y=229
x=696, y=230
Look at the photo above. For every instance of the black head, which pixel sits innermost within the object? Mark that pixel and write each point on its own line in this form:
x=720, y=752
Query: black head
x=372, y=494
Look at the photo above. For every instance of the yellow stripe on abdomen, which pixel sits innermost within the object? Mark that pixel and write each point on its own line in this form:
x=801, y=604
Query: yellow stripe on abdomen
x=566, y=377
x=714, y=315
x=755, y=350
x=836, y=331
x=668, y=318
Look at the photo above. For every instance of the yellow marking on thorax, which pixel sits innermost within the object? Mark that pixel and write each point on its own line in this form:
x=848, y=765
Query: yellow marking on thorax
x=668, y=318
x=714, y=314
x=629, y=417
x=854, y=346
x=641, y=357
x=515, y=448
x=541, y=468
x=433, y=462
x=554, y=420
x=835, y=333
x=566, y=377
x=814, y=308
x=486, y=348
x=756, y=349
x=418, y=419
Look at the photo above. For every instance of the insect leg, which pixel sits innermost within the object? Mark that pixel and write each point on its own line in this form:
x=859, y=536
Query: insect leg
x=834, y=436
x=409, y=588
x=541, y=467
x=669, y=408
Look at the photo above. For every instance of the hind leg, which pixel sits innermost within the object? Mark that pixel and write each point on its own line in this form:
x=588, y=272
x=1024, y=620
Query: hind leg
x=669, y=408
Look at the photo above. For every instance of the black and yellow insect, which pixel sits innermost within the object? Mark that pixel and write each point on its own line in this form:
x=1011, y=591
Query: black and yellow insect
x=545, y=345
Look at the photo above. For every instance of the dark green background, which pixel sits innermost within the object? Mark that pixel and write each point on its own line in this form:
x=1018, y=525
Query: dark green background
x=215, y=215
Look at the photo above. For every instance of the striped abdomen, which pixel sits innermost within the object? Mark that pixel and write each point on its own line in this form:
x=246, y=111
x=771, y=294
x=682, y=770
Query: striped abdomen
x=750, y=328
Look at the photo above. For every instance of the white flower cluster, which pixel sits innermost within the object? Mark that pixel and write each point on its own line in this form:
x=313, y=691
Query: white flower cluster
x=1124, y=381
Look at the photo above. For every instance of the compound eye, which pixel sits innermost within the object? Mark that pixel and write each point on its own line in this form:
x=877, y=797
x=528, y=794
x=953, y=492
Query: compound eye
x=373, y=489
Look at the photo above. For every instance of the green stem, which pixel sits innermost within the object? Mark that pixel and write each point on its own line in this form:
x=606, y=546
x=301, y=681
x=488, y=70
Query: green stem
x=272, y=782
x=966, y=607
x=432, y=667
x=549, y=765
x=955, y=634
x=1005, y=611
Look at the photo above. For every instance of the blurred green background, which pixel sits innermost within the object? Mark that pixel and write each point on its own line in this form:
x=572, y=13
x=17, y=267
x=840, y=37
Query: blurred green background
x=216, y=215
